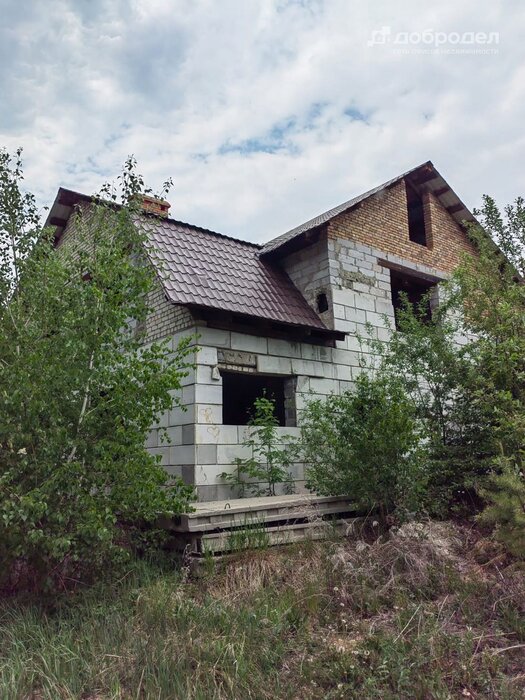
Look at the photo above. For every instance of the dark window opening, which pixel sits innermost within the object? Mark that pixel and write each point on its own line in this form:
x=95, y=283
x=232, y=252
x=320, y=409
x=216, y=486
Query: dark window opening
x=416, y=217
x=322, y=302
x=240, y=390
x=415, y=290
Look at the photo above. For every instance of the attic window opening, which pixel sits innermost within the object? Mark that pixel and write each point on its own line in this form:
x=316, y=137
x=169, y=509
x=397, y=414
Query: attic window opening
x=322, y=302
x=416, y=290
x=416, y=217
x=240, y=390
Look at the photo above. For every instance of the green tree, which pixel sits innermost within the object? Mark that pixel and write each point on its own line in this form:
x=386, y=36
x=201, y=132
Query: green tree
x=365, y=444
x=79, y=390
x=441, y=376
x=491, y=291
x=271, y=457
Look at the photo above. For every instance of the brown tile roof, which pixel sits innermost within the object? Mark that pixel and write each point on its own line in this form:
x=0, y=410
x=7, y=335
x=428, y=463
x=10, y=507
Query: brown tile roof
x=206, y=269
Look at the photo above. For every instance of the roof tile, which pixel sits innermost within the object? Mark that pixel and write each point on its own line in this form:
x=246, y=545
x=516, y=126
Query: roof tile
x=213, y=271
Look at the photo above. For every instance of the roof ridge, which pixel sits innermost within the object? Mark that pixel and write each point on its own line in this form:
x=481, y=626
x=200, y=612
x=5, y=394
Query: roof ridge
x=203, y=230
x=325, y=216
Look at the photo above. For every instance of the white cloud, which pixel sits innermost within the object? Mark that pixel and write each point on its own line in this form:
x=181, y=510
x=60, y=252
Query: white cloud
x=265, y=113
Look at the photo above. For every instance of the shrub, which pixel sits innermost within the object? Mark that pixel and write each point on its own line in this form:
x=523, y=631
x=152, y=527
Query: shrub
x=271, y=457
x=441, y=376
x=365, y=444
x=505, y=494
x=492, y=294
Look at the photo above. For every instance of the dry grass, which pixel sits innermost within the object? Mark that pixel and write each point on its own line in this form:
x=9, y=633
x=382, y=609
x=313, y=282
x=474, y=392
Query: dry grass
x=431, y=611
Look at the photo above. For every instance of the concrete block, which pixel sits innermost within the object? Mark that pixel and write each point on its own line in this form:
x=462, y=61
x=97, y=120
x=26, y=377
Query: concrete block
x=175, y=471
x=338, y=310
x=312, y=368
x=345, y=297
x=356, y=315
x=303, y=384
x=188, y=394
x=283, y=348
x=384, y=307
x=288, y=432
x=209, y=413
x=346, y=386
x=163, y=453
x=345, y=326
x=384, y=334
x=177, y=337
x=364, y=288
x=206, y=356
x=174, y=435
x=152, y=439
x=188, y=473
x=188, y=434
x=215, y=434
x=215, y=337
x=268, y=364
x=208, y=393
x=365, y=302
x=182, y=454
x=354, y=343
x=206, y=454
x=209, y=474
x=208, y=493
x=375, y=319
x=319, y=353
x=163, y=420
x=226, y=454
x=205, y=375
x=182, y=415
x=349, y=358
x=363, y=248
x=323, y=386
x=343, y=372
x=357, y=371
x=250, y=343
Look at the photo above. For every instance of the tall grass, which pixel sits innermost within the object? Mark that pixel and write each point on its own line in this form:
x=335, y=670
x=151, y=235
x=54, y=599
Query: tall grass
x=390, y=619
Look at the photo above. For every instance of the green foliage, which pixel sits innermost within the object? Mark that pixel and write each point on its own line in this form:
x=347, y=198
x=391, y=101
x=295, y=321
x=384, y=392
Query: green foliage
x=492, y=294
x=271, y=458
x=365, y=444
x=505, y=493
x=78, y=388
x=251, y=535
x=389, y=619
x=441, y=376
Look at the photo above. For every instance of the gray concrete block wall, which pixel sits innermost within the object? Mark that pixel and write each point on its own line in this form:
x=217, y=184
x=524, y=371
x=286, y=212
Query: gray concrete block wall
x=172, y=437
x=358, y=287
x=218, y=445
x=309, y=270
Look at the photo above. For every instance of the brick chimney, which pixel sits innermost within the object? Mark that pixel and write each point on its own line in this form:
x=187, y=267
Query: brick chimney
x=153, y=205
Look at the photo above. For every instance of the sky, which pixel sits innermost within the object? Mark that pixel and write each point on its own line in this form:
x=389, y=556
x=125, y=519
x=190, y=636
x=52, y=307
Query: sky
x=264, y=112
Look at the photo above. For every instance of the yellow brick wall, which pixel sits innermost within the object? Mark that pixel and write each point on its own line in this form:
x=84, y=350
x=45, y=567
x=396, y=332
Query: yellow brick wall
x=382, y=222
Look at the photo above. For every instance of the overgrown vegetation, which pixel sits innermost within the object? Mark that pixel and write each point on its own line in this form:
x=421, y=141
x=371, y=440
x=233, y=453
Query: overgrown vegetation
x=460, y=377
x=420, y=614
x=268, y=466
x=78, y=390
x=365, y=443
